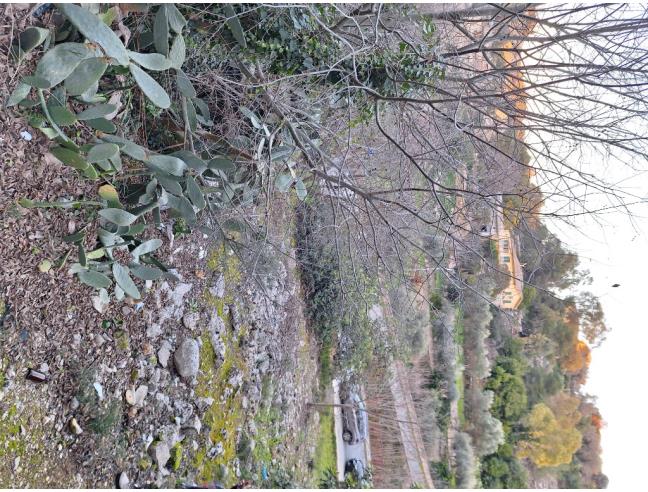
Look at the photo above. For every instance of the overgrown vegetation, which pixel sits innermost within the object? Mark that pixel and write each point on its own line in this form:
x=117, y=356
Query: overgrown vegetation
x=191, y=118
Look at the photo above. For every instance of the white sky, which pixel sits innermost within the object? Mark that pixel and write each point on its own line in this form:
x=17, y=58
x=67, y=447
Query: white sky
x=616, y=251
x=614, y=248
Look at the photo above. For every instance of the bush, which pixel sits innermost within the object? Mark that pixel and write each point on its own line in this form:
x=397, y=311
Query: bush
x=441, y=474
x=502, y=470
x=486, y=431
x=337, y=293
x=476, y=320
x=466, y=461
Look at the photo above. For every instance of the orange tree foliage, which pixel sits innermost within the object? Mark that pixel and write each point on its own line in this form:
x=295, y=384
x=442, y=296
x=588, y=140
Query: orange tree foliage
x=553, y=436
x=578, y=358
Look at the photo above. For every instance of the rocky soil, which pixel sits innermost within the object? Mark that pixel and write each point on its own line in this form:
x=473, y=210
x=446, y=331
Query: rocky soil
x=204, y=381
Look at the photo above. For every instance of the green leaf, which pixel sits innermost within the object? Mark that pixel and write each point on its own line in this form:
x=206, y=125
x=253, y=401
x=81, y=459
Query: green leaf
x=21, y=91
x=95, y=30
x=90, y=96
x=176, y=19
x=146, y=247
x=185, y=87
x=150, y=87
x=168, y=164
x=63, y=32
x=202, y=107
x=145, y=39
x=105, y=166
x=178, y=52
x=194, y=193
x=75, y=238
x=85, y=75
x=96, y=111
x=90, y=172
x=102, y=124
x=62, y=116
x=49, y=132
x=300, y=188
x=253, y=118
x=151, y=61
x=221, y=164
x=59, y=62
x=70, y=158
x=191, y=120
x=193, y=161
x=116, y=162
x=37, y=82
x=145, y=272
x=161, y=31
x=29, y=39
x=234, y=25
x=128, y=147
x=282, y=152
x=109, y=193
x=109, y=16
x=102, y=152
x=106, y=238
x=96, y=254
x=135, y=230
x=234, y=225
x=169, y=184
x=58, y=97
x=119, y=293
x=283, y=182
x=122, y=277
x=28, y=103
x=94, y=279
x=183, y=207
x=118, y=216
x=82, y=255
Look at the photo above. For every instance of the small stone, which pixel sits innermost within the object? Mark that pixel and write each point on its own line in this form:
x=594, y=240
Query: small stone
x=236, y=379
x=99, y=389
x=215, y=450
x=16, y=464
x=122, y=481
x=154, y=331
x=136, y=397
x=204, y=403
x=164, y=353
x=193, y=425
x=76, y=340
x=74, y=404
x=99, y=339
x=160, y=454
x=187, y=358
x=218, y=290
x=75, y=427
x=132, y=412
x=147, y=349
x=126, y=310
x=44, y=367
x=190, y=321
x=101, y=301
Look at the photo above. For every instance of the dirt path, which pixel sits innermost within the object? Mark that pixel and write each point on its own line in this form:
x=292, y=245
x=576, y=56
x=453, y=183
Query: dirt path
x=417, y=459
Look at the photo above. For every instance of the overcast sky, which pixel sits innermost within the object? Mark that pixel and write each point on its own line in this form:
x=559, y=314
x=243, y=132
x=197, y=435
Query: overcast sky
x=615, y=250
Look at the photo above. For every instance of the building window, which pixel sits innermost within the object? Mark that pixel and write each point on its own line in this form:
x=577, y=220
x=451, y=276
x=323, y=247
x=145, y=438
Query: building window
x=506, y=259
x=507, y=301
